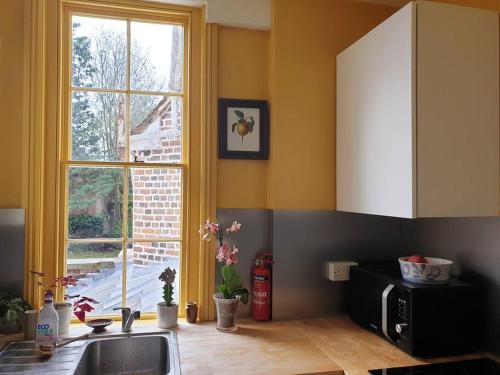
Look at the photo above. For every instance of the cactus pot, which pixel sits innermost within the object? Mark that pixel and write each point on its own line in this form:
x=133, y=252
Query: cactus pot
x=167, y=315
x=64, y=311
x=226, y=313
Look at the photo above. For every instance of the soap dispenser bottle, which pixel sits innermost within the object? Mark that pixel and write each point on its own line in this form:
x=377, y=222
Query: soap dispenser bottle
x=48, y=322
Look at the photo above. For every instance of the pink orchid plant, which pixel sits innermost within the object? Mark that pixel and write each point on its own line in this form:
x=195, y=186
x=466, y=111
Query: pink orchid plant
x=80, y=305
x=231, y=286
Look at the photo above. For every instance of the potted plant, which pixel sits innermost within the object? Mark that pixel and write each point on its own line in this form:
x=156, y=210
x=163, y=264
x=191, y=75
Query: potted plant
x=231, y=290
x=71, y=304
x=167, y=310
x=11, y=313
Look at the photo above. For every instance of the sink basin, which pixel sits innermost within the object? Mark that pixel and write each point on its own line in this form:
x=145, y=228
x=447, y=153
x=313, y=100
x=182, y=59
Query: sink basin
x=145, y=355
x=135, y=353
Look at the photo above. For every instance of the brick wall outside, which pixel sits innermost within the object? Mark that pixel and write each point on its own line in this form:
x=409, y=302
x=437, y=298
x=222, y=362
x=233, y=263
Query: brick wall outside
x=156, y=194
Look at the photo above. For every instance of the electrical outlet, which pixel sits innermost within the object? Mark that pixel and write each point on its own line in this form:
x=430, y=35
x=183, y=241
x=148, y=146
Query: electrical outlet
x=339, y=271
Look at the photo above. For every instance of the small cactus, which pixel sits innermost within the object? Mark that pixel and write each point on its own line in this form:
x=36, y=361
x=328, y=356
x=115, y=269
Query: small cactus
x=168, y=277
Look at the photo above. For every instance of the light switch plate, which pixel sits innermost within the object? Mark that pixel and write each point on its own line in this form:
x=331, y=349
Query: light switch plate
x=339, y=271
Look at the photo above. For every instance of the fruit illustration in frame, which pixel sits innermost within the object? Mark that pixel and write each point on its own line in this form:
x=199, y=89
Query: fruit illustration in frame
x=244, y=125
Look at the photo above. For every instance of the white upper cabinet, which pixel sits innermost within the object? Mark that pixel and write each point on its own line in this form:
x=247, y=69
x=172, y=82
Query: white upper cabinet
x=418, y=115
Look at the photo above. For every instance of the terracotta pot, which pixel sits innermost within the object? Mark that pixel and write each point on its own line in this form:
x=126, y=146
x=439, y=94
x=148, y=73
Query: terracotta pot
x=167, y=315
x=226, y=311
x=64, y=310
x=191, y=312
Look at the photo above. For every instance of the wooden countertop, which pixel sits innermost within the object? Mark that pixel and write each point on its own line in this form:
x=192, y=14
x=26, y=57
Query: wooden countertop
x=327, y=346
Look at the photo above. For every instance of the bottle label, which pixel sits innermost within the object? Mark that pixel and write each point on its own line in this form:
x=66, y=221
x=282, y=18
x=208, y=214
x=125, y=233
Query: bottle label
x=45, y=333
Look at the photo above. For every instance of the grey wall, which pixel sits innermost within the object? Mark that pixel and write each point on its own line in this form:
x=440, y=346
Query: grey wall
x=254, y=238
x=12, y=251
x=301, y=242
x=304, y=240
x=473, y=244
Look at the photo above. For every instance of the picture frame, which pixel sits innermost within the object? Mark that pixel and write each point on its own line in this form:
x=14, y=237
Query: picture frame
x=243, y=129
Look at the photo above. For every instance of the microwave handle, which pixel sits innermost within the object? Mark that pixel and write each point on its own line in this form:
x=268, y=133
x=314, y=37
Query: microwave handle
x=385, y=296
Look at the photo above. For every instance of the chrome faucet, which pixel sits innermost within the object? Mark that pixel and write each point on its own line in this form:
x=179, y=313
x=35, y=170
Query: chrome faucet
x=128, y=317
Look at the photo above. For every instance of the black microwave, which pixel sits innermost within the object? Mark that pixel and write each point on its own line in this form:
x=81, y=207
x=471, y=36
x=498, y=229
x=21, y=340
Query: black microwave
x=423, y=320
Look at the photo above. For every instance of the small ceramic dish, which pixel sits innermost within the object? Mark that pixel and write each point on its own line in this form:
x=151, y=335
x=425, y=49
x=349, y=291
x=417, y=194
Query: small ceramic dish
x=99, y=325
x=435, y=271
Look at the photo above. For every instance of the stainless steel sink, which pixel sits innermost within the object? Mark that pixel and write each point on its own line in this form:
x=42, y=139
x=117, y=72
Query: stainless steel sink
x=148, y=355
x=140, y=353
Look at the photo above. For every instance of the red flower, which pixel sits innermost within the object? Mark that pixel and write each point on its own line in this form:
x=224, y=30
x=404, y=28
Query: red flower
x=80, y=314
x=67, y=280
x=86, y=299
x=85, y=307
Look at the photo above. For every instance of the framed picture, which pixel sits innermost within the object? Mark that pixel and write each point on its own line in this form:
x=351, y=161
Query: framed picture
x=243, y=129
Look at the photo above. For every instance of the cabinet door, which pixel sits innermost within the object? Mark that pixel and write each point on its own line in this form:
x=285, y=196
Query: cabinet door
x=457, y=111
x=375, y=120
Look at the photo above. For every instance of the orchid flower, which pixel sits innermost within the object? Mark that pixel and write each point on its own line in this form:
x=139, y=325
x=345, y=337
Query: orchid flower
x=235, y=227
x=231, y=259
x=225, y=255
x=209, y=230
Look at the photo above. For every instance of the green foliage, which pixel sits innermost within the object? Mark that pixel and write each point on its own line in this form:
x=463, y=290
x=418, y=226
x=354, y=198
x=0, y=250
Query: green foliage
x=168, y=293
x=231, y=277
x=232, y=286
x=88, y=185
x=224, y=290
x=85, y=140
x=85, y=226
x=11, y=309
x=93, y=250
x=242, y=293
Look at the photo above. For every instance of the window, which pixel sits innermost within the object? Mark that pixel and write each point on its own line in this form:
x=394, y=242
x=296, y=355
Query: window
x=125, y=164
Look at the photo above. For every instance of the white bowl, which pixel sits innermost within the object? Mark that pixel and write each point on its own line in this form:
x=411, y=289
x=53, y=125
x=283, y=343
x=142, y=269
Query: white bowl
x=435, y=271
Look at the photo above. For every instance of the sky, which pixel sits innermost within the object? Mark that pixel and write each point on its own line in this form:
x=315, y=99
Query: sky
x=153, y=37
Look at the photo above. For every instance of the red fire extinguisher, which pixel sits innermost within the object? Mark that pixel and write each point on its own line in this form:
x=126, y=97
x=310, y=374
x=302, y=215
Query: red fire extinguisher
x=261, y=291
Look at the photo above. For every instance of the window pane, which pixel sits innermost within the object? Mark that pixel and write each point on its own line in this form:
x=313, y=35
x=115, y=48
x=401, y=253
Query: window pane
x=98, y=268
x=144, y=289
x=95, y=202
x=98, y=126
x=99, y=51
x=155, y=203
x=157, y=54
x=156, y=129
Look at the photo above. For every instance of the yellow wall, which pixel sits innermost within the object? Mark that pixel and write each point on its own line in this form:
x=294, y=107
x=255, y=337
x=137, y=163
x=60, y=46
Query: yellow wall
x=11, y=102
x=242, y=74
x=306, y=36
x=484, y=4
x=294, y=67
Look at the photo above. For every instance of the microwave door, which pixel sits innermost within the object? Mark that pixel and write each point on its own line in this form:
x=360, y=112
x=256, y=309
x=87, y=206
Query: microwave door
x=389, y=312
x=385, y=310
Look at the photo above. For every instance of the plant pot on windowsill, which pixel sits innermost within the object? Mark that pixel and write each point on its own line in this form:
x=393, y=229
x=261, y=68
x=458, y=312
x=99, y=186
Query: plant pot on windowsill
x=167, y=315
x=226, y=312
x=64, y=311
x=167, y=310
